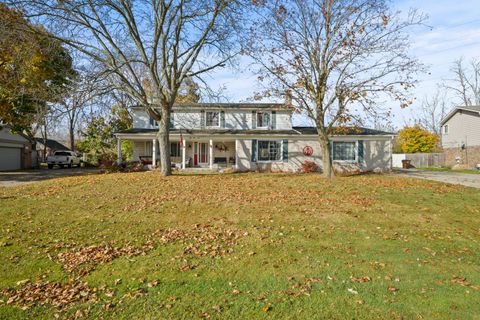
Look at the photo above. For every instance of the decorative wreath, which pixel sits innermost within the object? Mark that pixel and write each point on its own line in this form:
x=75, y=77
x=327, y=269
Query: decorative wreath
x=221, y=147
x=307, y=150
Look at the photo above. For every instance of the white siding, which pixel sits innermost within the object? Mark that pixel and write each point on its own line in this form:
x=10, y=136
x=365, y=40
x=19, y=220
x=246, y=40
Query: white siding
x=377, y=155
x=237, y=119
x=463, y=128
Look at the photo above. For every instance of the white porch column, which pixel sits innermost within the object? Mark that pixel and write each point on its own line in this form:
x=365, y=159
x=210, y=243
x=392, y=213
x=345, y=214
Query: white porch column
x=211, y=153
x=184, y=152
x=236, y=154
x=154, y=153
x=119, y=151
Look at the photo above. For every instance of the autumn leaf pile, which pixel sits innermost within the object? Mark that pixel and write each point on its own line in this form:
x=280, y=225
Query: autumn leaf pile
x=202, y=240
x=59, y=295
x=93, y=255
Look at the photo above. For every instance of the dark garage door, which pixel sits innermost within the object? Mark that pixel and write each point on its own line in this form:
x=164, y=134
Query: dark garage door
x=10, y=158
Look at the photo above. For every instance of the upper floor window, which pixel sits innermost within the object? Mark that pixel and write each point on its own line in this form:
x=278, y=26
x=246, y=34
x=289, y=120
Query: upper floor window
x=153, y=122
x=343, y=151
x=212, y=119
x=445, y=129
x=263, y=119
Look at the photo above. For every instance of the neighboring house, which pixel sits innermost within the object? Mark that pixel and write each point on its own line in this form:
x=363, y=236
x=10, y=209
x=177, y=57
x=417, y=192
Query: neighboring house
x=252, y=137
x=15, y=150
x=461, y=136
x=50, y=146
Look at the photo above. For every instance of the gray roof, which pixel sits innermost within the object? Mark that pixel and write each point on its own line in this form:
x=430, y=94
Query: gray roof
x=345, y=131
x=456, y=109
x=52, y=144
x=249, y=106
x=354, y=131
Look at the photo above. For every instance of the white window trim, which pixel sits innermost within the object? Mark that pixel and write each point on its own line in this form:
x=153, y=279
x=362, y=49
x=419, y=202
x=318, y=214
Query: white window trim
x=446, y=129
x=346, y=161
x=206, y=116
x=269, y=120
x=270, y=161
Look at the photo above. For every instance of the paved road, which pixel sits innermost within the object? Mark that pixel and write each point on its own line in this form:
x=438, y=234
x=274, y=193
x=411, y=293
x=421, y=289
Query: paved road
x=466, y=179
x=15, y=178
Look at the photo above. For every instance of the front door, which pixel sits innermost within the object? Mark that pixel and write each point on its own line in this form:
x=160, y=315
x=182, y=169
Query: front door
x=203, y=153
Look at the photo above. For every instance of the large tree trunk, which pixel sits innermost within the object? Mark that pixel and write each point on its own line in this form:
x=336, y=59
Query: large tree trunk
x=44, y=156
x=326, y=155
x=71, y=132
x=164, y=143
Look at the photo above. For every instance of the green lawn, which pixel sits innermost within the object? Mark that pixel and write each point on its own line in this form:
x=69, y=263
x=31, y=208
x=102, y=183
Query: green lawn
x=239, y=246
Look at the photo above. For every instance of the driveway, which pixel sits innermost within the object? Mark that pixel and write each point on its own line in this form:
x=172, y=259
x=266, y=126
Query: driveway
x=15, y=178
x=466, y=179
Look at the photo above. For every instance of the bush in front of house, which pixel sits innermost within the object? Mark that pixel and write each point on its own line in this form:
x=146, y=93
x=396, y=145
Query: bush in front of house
x=308, y=166
x=123, y=167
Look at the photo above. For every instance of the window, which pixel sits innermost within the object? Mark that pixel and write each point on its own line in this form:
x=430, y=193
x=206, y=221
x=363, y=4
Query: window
x=263, y=119
x=269, y=150
x=174, y=149
x=343, y=151
x=153, y=122
x=213, y=119
x=445, y=129
x=148, y=148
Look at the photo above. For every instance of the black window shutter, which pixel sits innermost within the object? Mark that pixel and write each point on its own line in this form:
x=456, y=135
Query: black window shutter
x=274, y=120
x=285, y=150
x=202, y=119
x=222, y=119
x=254, y=150
x=360, y=151
x=172, y=125
x=254, y=120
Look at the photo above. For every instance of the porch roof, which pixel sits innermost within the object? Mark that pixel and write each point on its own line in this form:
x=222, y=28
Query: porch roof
x=296, y=131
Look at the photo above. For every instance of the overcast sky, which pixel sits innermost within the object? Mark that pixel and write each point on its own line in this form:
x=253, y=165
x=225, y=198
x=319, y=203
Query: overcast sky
x=454, y=33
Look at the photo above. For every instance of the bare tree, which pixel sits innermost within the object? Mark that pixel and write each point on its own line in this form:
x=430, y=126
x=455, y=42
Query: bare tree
x=85, y=91
x=148, y=46
x=433, y=110
x=466, y=82
x=334, y=58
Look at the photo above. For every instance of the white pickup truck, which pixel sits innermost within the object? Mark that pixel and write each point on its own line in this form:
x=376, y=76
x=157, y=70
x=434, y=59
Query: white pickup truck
x=64, y=158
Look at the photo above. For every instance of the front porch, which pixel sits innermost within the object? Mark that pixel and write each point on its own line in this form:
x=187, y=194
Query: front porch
x=189, y=152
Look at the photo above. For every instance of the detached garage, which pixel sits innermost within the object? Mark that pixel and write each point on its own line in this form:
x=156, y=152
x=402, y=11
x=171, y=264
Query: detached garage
x=14, y=150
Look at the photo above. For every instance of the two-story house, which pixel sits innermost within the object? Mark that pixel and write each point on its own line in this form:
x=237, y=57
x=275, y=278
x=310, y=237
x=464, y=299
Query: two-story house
x=461, y=137
x=249, y=136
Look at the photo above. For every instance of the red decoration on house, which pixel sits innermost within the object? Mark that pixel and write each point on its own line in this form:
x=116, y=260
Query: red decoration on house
x=307, y=150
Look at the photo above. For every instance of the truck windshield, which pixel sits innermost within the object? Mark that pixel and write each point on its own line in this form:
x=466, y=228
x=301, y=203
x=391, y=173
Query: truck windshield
x=62, y=153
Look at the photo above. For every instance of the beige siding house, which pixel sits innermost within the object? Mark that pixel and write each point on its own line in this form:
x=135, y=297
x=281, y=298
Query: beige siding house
x=15, y=150
x=250, y=137
x=461, y=137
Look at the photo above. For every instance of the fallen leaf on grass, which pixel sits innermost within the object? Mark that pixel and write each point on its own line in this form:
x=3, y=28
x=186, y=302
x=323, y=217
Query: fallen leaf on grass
x=352, y=291
x=361, y=279
x=267, y=308
x=392, y=289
